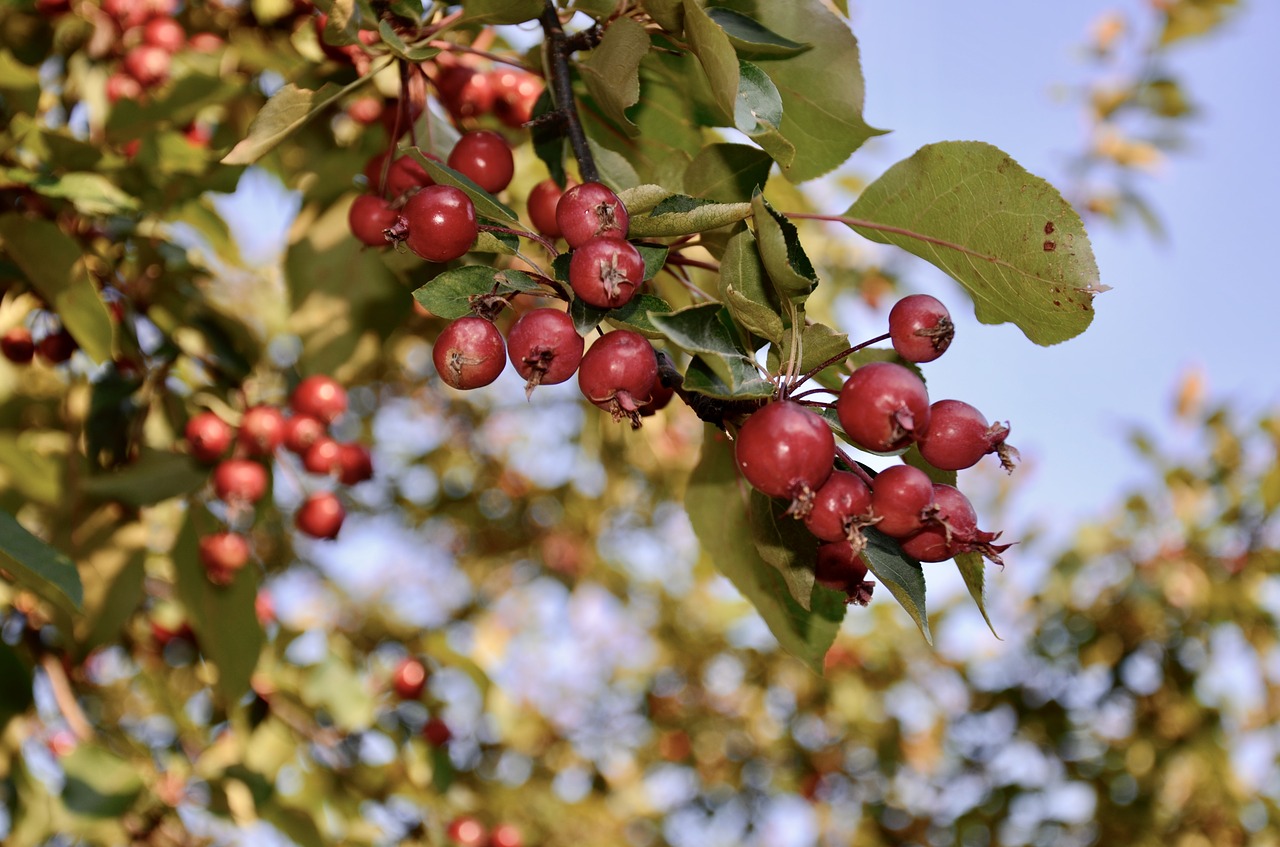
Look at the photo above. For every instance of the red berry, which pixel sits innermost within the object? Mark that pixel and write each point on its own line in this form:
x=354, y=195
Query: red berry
x=165, y=33
x=409, y=679
x=605, y=272
x=785, y=450
x=240, y=481
x=365, y=110
x=320, y=516
x=17, y=346
x=542, y=202
x=841, y=505
x=208, y=437
x=301, y=431
x=464, y=92
x=322, y=456
x=57, y=347
x=485, y=158
x=264, y=608
x=369, y=216
x=920, y=328
x=206, y=42
x=545, y=347
x=436, y=732
x=355, y=465
x=515, y=94
x=441, y=223
x=261, y=430
x=590, y=210
x=617, y=373
x=662, y=395
x=223, y=554
x=902, y=498
x=506, y=835
x=958, y=436
x=406, y=174
x=122, y=87
x=469, y=353
x=321, y=397
x=883, y=407
x=467, y=831
x=840, y=568
x=952, y=530
x=148, y=64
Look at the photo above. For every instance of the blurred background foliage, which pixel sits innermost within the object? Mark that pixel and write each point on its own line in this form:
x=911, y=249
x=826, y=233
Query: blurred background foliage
x=592, y=680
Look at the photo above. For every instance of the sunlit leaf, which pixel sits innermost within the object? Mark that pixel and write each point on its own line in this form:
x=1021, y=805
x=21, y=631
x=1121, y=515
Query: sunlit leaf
x=612, y=71
x=38, y=567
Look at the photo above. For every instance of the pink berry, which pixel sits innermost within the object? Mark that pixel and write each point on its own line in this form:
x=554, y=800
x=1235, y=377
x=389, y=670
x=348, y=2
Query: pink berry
x=883, y=407
x=785, y=450
x=920, y=328
x=617, y=373
x=590, y=210
x=469, y=353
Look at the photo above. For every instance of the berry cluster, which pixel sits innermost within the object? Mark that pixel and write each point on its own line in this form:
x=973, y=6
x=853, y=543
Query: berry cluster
x=468, y=93
x=786, y=450
x=242, y=480
x=20, y=347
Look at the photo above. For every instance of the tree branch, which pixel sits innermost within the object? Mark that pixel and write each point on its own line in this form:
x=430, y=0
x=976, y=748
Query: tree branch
x=559, y=46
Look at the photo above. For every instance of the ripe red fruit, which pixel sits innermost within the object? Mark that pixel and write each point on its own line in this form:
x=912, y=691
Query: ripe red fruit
x=785, y=450
x=469, y=353
x=122, y=87
x=322, y=456
x=264, y=607
x=542, y=202
x=369, y=216
x=208, y=437
x=322, y=397
x=206, y=42
x=300, y=432
x=405, y=174
x=409, y=679
x=902, y=499
x=240, y=481
x=17, y=346
x=840, y=568
x=464, y=92
x=57, y=347
x=165, y=33
x=840, y=506
x=883, y=407
x=958, y=436
x=467, y=831
x=920, y=328
x=952, y=530
x=148, y=64
x=590, y=210
x=355, y=465
x=605, y=272
x=439, y=223
x=436, y=732
x=661, y=398
x=485, y=158
x=365, y=110
x=545, y=347
x=320, y=516
x=617, y=373
x=261, y=430
x=223, y=554
x=506, y=835
x=515, y=93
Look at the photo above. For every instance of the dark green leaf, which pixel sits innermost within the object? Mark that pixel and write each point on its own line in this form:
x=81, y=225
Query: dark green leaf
x=701, y=328
x=1005, y=234
x=972, y=566
x=751, y=38
x=612, y=71
x=727, y=173
x=38, y=567
x=99, y=783
x=155, y=476
x=449, y=295
x=115, y=418
x=705, y=375
x=549, y=141
x=745, y=288
x=717, y=503
x=758, y=113
x=785, y=261
x=655, y=257
x=716, y=55
x=901, y=574
x=635, y=315
x=783, y=542
x=15, y=685
x=397, y=45
x=585, y=318
x=487, y=206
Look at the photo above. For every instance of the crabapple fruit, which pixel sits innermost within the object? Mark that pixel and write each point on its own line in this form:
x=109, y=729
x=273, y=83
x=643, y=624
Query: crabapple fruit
x=605, y=272
x=261, y=430
x=590, y=210
x=441, y=223
x=959, y=435
x=840, y=506
x=484, y=157
x=542, y=202
x=370, y=215
x=785, y=450
x=239, y=481
x=545, y=347
x=469, y=353
x=208, y=437
x=618, y=372
x=902, y=499
x=320, y=516
x=17, y=346
x=883, y=407
x=920, y=328
x=322, y=397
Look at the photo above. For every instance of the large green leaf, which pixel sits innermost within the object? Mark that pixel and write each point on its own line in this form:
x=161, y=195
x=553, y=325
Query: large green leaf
x=1005, y=234
x=727, y=173
x=54, y=264
x=612, y=71
x=38, y=567
x=745, y=288
x=99, y=783
x=785, y=261
x=784, y=543
x=903, y=576
x=707, y=329
x=717, y=503
x=449, y=295
x=155, y=476
x=223, y=617
x=285, y=113
x=681, y=215
x=751, y=38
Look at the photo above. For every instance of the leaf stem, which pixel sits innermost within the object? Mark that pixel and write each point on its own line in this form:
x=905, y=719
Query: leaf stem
x=561, y=86
x=898, y=230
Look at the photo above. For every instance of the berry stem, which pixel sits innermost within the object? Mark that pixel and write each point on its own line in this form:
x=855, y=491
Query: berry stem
x=520, y=233
x=839, y=357
x=854, y=466
x=558, y=49
x=677, y=259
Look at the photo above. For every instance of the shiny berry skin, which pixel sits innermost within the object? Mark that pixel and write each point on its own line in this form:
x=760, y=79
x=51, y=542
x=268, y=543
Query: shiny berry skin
x=409, y=679
x=883, y=407
x=300, y=432
x=902, y=498
x=355, y=465
x=959, y=435
x=322, y=457
x=840, y=568
x=368, y=217
x=121, y=86
x=165, y=33
x=467, y=831
x=240, y=481
x=484, y=158
x=469, y=353
x=838, y=505
x=506, y=835
x=223, y=554
x=208, y=437
x=605, y=272
x=57, y=347
x=441, y=223
x=590, y=210
x=545, y=347
x=148, y=64
x=920, y=328
x=405, y=174
x=515, y=93
x=942, y=537
x=322, y=397
x=542, y=202
x=17, y=346
x=784, y=450
x=261, y=430
x=320, y=516
x=436, y=732
x=464, y=92
x=617, y=373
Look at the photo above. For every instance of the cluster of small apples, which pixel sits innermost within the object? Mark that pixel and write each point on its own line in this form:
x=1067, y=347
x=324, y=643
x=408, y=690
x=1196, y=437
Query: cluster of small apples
x=786, y=450
x=469, y=93
x=242, y=480
x=54, y=348
x=149, y=38
x=470, y=831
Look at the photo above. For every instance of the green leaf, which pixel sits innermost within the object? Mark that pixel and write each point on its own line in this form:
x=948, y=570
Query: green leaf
x=501, y=11
x=615, y=171
x=751, y=38
x=745, y=289
x=52, y=261
x=636, y=315
x=20, y=85
x=818, y=343
x=705, y=375
x=612, y=71
x=91, y=194
x=785, y=261
x=717, y=502
x=34, y=472
x=727, y=173
x=449, y=294
x=1006, y=235
x=38, y=567
x=715, y=54
x=972, y=566
x=668, y=13
x=487, y=206
x=397, y=45
x=285, y=113
x=655, y=258
x=682, y=215
x=784, y=543
x=821, y=89
x=16, y=695
x=99, y=783
x=758, y=113
x=343, y=24
x=902, y=575
x=156, y=476
x=223, y=617
x=701, y=328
